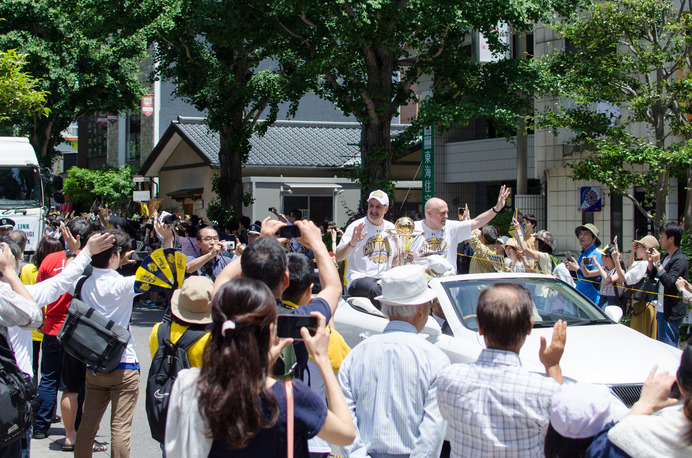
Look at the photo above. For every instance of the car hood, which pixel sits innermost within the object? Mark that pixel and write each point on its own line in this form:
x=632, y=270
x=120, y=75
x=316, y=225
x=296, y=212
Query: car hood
x=604, y=353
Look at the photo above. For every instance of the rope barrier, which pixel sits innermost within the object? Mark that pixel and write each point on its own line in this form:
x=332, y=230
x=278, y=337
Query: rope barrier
x=529, y=270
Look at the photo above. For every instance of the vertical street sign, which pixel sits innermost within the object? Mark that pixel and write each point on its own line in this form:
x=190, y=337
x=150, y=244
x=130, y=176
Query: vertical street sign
x=428, y=163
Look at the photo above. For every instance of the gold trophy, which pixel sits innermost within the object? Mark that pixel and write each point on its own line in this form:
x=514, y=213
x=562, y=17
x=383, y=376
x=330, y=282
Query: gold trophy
x=403, y=233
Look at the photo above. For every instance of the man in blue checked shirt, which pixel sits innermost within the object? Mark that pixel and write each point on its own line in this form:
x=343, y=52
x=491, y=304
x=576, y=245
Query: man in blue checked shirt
x=390, y=380
x=494, y=406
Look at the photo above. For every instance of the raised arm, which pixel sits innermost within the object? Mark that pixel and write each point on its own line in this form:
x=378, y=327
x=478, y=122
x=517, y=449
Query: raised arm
x=351, y=238
x=529, y=251
x=311, y=237
x=485, y=217
x=17, y=307
x=550, y=355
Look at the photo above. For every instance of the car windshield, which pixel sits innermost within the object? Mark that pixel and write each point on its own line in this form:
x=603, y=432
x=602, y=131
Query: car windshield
x=20, y=187
x=553, y=300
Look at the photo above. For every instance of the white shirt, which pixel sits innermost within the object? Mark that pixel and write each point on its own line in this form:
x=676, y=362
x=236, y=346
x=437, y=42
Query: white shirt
x=636, y=272
x=661, y=288
x=111, y=294
x=443, y=241
x=44, y=293
x=372, y=256
x=390, y=385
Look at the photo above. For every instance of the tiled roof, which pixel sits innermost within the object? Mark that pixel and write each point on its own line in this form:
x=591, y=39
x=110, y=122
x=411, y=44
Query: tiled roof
x=286, y=143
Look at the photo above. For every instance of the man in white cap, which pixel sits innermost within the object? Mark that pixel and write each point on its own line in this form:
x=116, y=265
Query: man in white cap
x=441, y=236
x=367, y=248
x=390, y=379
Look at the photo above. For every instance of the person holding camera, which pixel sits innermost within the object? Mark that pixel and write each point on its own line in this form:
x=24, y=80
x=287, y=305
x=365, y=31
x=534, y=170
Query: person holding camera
x=215, y=254
x=587, y=234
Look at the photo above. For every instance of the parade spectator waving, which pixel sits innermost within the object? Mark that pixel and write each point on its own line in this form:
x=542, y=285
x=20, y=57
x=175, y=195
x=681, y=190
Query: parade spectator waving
x=494, y=406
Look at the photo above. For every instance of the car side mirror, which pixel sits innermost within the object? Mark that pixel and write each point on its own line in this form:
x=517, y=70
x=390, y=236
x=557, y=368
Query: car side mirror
x=614, y=313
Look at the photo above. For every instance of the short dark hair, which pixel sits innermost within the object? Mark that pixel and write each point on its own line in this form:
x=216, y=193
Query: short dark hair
x=264, y=260
x=531, y=219
x=245, y=221
x=199, y=232
x=80, y=227
x=122, y=244
x=194, y=219
x=504, y=314
x=301, y=274
x=673, y=230
x=19, y=237
x=295, y=213
x=14, y=248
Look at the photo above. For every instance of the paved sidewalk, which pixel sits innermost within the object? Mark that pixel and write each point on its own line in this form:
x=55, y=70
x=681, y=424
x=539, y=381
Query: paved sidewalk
x=142, y=444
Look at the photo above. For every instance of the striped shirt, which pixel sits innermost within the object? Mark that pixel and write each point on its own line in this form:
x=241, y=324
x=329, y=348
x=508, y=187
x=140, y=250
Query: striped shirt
x=495, y=407
x=390, y=384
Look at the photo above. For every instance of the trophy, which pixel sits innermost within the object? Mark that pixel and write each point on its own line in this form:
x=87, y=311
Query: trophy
x=403, y=235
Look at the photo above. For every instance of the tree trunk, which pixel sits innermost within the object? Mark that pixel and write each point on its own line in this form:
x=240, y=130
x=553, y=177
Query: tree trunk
x=235, y=145
x=376, y=157
x=661, y=199
x=688, y=202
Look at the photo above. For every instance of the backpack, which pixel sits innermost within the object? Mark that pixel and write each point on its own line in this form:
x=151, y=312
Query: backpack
x=91, y=337
x=169, y=359
x=17, y=394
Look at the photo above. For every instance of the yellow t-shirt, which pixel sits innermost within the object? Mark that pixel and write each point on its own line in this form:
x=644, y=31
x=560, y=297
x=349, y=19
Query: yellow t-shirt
x=195, y=353
x=28, y=276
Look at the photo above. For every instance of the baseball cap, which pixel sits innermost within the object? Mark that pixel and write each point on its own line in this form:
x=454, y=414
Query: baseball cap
x=379, y=196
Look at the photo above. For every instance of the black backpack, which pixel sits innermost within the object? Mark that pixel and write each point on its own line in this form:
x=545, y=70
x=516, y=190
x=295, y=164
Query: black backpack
x=169, y=359
x=17, y=394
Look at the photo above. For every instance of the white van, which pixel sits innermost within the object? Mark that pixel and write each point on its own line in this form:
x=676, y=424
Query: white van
x=21, y=188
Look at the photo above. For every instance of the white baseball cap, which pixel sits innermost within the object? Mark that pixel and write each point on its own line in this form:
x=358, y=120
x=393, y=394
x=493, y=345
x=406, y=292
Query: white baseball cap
x=379, y=196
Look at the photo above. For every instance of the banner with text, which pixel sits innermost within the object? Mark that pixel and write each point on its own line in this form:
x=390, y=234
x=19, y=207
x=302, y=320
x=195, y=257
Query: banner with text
x=428, y=163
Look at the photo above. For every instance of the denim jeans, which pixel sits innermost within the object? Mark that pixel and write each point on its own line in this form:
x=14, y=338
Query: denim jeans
x=51, y=367
x=668, y=331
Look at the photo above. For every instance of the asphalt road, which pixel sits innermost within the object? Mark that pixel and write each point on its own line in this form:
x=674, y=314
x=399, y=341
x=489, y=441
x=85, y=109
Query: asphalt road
x=142, y=444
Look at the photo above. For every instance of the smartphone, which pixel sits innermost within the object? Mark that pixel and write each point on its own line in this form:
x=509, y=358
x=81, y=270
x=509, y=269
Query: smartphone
x=288, y=326
x=229, y=245
x=569, y=256
x=587, y=261
x=140, y=255
x=460, y=210
x=289, y=232
x=270, y=208
x=615, y=241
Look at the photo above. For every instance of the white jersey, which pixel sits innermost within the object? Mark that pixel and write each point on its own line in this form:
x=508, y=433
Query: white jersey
x=442, y=242
x=373, y=255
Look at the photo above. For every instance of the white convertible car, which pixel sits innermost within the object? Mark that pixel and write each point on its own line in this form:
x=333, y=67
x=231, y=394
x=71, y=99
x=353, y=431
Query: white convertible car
x=598, y=349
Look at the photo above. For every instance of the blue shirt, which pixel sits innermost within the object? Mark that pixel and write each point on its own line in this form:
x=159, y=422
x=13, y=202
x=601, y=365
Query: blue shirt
x=390, y=385
x=589, y=287
x=213, y=268
x=309, y=412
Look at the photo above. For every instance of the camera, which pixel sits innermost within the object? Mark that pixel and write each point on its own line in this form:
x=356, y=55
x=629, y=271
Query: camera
x=229, y=246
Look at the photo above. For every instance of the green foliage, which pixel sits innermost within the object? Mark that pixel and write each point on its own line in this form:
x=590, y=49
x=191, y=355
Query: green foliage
x=85, y=55
x=213, y=51
x=367, y=56
x=627, y=63
x=686, y=246
x=110, y=186
x=18, y=93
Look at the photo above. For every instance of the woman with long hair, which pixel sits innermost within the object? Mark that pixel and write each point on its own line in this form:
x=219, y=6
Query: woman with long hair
x=232, y=407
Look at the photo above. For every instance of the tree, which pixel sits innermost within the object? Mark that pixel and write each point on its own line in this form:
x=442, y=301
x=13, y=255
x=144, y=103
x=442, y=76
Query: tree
x=628, y=64
x=85, y=54
x=18, y=93
x=217, y=54
x=371, y=54
x=109, y=186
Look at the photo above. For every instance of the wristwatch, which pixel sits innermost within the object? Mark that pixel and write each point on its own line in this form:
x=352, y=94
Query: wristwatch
x=657, y=264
